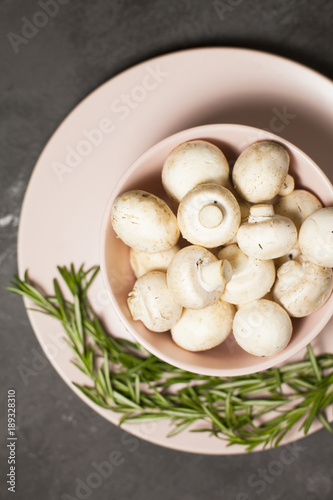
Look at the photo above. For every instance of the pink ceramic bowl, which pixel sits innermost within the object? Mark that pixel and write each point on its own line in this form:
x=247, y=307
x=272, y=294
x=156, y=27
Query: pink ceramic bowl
x=228, y=359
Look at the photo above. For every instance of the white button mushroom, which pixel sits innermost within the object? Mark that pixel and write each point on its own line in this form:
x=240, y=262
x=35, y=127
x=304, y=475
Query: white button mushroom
x=144, y=222
x=151, y=302
x=193, y=163
x=209, y=215
x=196, y=278
x=259, y=172
x=316, y=237
x=262, y=327
x=143, y=262
x=288, y=186
x=204, y=329
x=302, y=287
x=266, y=235
x=297, y=206
x=251, y=278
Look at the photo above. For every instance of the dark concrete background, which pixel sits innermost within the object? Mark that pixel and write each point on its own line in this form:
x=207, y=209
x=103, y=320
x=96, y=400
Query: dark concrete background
x=85, y=44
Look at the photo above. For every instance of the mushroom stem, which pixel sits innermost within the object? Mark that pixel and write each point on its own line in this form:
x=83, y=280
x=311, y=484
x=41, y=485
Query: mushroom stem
x=238, y=260
x=210, y=216
x=257, y=212
x=196, y=278
x=215, y=274
x=265, y=235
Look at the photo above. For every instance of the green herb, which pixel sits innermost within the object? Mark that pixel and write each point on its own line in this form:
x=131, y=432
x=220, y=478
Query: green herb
x=252, y=410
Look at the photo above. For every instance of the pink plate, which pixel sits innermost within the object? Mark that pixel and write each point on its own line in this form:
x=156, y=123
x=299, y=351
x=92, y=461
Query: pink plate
x=81, y=164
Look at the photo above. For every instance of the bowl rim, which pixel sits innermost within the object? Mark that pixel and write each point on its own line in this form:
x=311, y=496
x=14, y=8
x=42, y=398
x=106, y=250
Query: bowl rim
x=198, y=132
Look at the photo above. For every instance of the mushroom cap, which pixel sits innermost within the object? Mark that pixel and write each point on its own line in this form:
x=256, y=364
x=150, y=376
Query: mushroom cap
x=266, y=235
x=316, y=237
x=260, y=171
x=288, y=186
x=143, y=262
x=198, y=330
x=151, y=302
x=302, y=287
x=144, y=222
x=193, y=163
x=251, y=278
x=209, y=215
x=196, y=278
x=297, y=206
x=262, y=327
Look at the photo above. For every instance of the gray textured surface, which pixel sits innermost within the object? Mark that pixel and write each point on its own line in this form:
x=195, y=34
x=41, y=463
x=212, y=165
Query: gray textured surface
x=86, y=43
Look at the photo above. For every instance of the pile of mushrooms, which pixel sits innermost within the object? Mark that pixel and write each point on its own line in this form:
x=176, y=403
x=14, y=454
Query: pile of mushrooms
x=254, y=252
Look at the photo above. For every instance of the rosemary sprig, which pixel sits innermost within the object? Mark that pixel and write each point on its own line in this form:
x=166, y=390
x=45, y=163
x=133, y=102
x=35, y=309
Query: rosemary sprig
x=252, y=410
